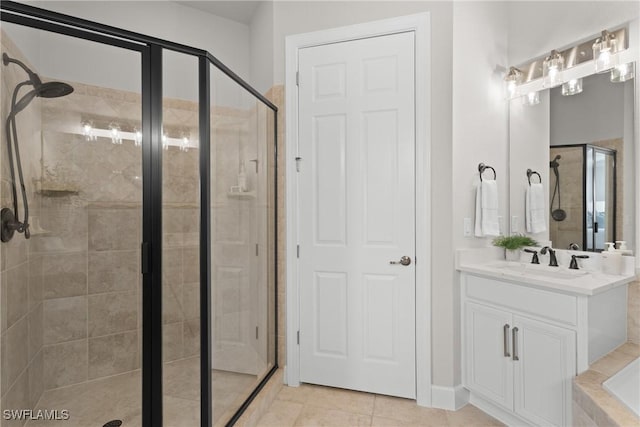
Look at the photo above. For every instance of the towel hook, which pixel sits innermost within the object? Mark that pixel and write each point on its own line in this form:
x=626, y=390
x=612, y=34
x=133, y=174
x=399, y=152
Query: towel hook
x=530, y=172
x=482, y=167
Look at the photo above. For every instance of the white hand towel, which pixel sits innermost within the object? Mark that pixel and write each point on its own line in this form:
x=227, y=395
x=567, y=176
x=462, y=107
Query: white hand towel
x=535, y=209
x=487, y=223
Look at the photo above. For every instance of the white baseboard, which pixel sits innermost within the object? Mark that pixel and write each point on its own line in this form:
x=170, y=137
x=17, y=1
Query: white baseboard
x=449, y=398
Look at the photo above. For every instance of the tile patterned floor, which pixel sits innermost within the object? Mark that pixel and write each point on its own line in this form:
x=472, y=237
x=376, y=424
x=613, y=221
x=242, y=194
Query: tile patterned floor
x=94, y=403
x=310, y=405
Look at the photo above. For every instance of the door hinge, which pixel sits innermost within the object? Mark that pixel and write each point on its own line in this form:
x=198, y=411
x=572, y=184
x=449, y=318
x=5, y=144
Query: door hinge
x=297, y=78
x=145, y=258
x=256, y=249
x=298, y=337
x=297, y=251
x=298, y=163
x=256, y=332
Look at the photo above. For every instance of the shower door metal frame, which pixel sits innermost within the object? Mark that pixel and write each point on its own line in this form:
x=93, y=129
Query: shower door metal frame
x=150, y=49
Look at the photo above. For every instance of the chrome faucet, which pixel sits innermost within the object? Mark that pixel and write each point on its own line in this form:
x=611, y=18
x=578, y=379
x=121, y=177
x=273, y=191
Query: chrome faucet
x=553, y=261
x=534, y=259
x=573, y=247
x=573, y=265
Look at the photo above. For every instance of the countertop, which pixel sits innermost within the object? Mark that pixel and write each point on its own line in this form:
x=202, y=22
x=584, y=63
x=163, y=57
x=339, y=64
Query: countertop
x=587, y=281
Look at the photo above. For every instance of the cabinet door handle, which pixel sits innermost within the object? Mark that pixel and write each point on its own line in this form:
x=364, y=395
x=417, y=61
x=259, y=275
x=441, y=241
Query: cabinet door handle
x=515, y=343
x=505, y=337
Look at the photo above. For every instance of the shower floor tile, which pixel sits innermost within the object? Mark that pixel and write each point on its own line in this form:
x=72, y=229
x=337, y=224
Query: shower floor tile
x=94, y=403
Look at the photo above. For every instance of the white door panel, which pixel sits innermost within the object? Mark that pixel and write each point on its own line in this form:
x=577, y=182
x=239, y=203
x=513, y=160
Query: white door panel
x=357, y=213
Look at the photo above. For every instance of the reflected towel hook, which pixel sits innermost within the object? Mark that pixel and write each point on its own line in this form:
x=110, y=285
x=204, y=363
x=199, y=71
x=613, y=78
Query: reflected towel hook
x=530, y=172
x=482, y=167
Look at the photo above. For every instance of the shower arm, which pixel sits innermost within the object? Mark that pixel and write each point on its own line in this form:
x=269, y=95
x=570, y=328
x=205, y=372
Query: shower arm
x=12, y=146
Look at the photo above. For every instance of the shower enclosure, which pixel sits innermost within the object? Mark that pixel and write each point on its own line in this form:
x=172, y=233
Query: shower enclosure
x=585, y=176
x=137, y=283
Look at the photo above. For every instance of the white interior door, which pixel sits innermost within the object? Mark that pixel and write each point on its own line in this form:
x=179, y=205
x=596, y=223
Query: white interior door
x=357, y=213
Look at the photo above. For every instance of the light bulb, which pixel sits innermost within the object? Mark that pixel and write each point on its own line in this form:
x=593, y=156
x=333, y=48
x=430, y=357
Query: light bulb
x=137, y=138
x=116, y=137
x=512, y=80
x=87, y=131
x=622, y=73
x=572, y=87
x=531, y=99
x=552, y=68
x=604, y=50
x=184, y=146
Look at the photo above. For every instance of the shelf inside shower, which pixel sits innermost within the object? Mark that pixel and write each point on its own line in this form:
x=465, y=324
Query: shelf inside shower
x=241, y=194
x=56, y=189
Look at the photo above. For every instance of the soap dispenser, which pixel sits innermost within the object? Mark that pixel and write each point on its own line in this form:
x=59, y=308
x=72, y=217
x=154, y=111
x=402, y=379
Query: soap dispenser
x=611, y=260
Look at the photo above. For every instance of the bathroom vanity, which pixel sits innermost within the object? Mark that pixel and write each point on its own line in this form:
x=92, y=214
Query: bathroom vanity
x=527, y=330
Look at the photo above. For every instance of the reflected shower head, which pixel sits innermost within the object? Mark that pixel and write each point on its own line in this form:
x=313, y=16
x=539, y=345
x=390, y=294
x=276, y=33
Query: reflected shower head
x=554, y=163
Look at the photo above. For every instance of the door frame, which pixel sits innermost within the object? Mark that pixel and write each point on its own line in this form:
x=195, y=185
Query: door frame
x=420, y=24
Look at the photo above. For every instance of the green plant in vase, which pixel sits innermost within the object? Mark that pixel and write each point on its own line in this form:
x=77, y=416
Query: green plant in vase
x=513, y=244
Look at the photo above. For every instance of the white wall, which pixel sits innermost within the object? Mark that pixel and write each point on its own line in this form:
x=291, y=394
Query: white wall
x=479, y=128
x=261, y=31
x=535, y=27
x=227, y=40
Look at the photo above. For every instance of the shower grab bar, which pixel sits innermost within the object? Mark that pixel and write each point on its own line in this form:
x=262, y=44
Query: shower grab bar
x=532, y=172
x=482, y=167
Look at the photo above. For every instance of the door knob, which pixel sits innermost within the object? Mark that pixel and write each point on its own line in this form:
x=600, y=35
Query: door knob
x=405, y=260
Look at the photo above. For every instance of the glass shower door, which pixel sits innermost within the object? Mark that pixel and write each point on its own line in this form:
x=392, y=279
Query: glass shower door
x=71, y=276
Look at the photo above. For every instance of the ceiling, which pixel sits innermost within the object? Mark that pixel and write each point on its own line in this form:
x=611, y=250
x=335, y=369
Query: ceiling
x=238, y=10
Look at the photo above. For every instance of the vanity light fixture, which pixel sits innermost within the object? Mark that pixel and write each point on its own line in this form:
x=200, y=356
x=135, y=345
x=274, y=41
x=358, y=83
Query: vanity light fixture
x=531, y=99
x=552, y=69
x=622, y=73
x=604, y=51
x=118, y=132
x=572, y=87
x=512, y=80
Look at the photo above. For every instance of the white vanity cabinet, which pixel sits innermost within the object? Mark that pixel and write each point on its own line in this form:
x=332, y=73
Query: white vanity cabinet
x=523, y=365
x=520, y=350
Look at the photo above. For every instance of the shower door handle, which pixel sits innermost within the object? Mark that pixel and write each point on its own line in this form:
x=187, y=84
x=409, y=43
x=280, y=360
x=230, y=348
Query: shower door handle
x=405, y=260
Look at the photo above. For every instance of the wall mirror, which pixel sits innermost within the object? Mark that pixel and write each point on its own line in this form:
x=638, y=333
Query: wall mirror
x=584, y=149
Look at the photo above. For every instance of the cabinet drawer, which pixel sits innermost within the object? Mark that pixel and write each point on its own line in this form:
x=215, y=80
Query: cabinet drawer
x=537, y=302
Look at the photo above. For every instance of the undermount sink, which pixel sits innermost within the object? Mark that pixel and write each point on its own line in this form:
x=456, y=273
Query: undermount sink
x=533, y=270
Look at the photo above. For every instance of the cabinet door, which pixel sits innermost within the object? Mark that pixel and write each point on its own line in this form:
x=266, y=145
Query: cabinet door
x=487, y=367
x=543, y=372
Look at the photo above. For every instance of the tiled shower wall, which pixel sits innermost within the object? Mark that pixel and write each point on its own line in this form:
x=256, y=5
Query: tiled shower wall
x=21, y=305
